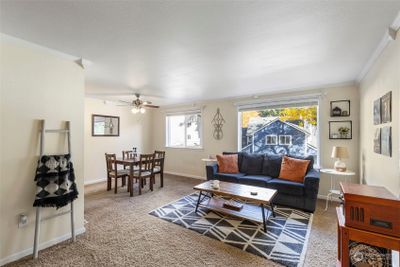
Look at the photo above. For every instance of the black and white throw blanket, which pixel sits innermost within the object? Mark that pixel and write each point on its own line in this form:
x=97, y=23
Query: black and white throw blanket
x=55, y=181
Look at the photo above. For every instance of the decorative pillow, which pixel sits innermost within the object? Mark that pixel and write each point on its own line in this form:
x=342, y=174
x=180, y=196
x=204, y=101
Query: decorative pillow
x=240, y=156
x=252, y=163
x=272, y=165
x=293, y=169
x=228, y=163
x=310, y=158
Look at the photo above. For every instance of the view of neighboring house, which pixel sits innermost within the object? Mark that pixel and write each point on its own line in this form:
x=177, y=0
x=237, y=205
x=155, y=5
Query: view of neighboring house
x=274, y=136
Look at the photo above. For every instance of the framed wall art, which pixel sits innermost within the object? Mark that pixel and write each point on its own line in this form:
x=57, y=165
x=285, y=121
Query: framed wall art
x=340, y=130
x=377, y=141
x=104, y=125
x=386, y=141
x=377, y=111
x=340, y=108
x=386, y=108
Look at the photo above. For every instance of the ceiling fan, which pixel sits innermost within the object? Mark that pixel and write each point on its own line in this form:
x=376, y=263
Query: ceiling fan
x=138, y=105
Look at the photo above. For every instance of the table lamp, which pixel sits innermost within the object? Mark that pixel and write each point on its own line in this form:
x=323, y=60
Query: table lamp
x=340, y=153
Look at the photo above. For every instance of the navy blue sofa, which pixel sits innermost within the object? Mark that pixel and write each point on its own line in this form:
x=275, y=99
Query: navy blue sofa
x=263, y=170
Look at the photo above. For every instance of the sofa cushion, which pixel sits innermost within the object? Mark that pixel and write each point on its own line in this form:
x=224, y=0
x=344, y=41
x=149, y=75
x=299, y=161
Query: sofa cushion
x=228, y=163
x=310, y=158
x=272, y=165
x=286, y=187
x=252, y=163
x=229, y=177
x=240, y=157
x=256, y=180
x=293, y=169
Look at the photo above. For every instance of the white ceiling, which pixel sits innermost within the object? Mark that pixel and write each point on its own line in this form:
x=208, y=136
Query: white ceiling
x=181, y=51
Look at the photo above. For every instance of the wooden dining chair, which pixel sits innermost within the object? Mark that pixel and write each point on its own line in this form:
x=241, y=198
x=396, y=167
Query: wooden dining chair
x=113, y=172
x=159, y=157
x=128, y=154
x=144, y=171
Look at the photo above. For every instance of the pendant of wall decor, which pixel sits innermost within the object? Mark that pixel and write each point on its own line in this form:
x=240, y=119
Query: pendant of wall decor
x=218, y=121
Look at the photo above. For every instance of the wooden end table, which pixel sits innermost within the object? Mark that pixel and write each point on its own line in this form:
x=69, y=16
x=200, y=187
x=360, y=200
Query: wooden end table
x=252, y=204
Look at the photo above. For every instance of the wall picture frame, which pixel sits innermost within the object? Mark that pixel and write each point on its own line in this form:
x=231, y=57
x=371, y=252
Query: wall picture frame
x=340, y=130
x=386, y=141
x=105, y=125
x=377, y=141
x=340, y=108
x=386, y=108
x=377, y=111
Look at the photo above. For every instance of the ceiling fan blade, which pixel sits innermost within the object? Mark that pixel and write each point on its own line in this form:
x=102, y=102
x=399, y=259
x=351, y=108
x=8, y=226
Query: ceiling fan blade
x=147, y=102
x=150, y=106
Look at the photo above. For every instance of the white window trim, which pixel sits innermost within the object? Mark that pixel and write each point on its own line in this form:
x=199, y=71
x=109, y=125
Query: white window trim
x=189, y=112
x=271, y=135
x=285, y=144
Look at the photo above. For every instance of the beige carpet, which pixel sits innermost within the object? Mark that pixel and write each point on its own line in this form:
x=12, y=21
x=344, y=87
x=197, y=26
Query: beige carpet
x=120, y=232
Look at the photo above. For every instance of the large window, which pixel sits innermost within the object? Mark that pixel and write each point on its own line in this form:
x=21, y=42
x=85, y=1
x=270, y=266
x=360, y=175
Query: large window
x=290, y=129
x=184, y=130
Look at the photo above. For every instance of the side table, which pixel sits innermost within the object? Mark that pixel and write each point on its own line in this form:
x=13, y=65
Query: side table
x=333, y=191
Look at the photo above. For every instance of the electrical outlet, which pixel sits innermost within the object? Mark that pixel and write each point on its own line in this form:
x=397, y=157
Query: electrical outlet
x=22, y=221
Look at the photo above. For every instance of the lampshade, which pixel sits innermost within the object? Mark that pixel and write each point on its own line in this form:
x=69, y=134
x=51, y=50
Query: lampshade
x=339, y=152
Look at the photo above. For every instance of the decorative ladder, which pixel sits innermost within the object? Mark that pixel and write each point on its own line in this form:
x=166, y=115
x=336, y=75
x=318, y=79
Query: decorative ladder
x=43, y=131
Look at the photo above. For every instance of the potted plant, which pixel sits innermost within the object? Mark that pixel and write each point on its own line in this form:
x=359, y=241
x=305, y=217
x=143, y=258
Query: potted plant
x=344, y=131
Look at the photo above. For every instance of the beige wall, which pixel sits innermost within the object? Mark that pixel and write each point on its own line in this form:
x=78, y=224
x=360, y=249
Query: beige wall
x=134, y=132
x=383, y=77
x=35, y=84
x=188, y=161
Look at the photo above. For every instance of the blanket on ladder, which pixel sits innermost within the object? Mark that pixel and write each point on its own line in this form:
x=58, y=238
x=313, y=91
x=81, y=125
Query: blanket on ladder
x=55, y=181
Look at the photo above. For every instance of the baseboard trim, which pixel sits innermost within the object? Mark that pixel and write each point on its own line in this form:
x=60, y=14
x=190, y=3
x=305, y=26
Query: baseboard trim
x=186, y=175
x=95, y=181
x=44, y=245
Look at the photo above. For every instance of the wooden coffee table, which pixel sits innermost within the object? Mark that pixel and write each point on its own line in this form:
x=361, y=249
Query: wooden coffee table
x=254, y=206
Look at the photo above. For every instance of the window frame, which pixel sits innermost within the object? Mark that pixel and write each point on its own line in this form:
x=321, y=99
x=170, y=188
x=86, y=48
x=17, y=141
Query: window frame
x=271, y=135
x=285, y=136
x=185, y=114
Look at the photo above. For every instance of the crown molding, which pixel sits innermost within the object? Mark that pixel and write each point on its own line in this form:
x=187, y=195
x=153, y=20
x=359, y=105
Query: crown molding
x=389, y=36
x=84, y=63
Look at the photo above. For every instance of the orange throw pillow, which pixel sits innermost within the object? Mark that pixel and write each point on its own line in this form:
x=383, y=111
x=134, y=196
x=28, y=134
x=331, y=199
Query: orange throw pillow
x=228, y=163
x=293, y=169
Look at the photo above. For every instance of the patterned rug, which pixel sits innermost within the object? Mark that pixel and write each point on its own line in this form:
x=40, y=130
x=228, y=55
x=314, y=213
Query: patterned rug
x=285, y=241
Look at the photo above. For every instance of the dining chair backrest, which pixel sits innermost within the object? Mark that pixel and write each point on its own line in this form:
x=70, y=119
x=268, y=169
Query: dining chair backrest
x=128, y=154
x=111, y=162
x=146, y=162
x=159, y=158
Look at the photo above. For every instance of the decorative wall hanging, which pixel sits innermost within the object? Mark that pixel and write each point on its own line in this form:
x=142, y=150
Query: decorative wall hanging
x=340, y=130
x=340, y=108
x=218, y=121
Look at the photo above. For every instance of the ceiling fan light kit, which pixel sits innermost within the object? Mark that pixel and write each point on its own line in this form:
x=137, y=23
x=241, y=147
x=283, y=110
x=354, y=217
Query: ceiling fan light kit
x=138, y=105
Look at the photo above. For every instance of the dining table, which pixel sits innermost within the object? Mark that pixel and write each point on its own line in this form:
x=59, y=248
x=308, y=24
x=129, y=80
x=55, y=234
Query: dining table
x=131, y=163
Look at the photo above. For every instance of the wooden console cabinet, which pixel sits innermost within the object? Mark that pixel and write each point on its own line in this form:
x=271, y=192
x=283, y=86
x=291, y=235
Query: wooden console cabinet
x=345, y=234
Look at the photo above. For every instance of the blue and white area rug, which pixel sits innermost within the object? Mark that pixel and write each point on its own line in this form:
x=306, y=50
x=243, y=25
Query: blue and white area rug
x=285, y=241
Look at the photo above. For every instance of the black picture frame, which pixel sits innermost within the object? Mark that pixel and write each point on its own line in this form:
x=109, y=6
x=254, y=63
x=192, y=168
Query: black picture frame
x=340, y=108
x=97, y=118
x=335, y=135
